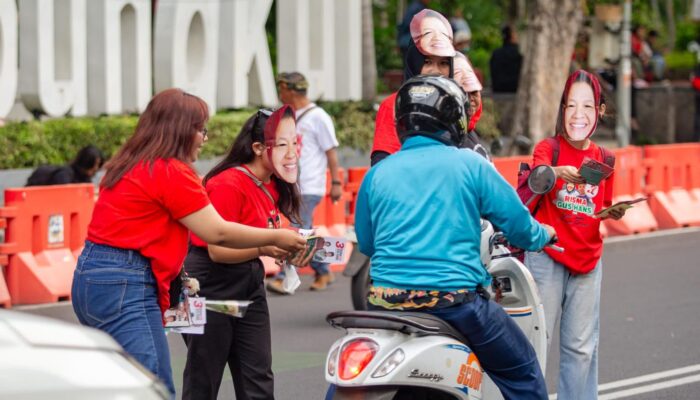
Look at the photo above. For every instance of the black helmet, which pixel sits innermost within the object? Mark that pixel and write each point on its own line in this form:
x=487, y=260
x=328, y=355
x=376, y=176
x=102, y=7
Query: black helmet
x=432, y=106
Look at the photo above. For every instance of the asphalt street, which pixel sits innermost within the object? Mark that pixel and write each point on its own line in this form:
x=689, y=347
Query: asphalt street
x=650, y=325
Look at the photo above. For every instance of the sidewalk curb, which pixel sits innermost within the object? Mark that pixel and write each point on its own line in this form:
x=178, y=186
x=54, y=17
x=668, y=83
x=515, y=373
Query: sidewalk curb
x=652, y=235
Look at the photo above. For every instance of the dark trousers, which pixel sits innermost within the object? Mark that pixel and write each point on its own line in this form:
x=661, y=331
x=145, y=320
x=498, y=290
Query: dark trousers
x=502, y=348
x=244, y=344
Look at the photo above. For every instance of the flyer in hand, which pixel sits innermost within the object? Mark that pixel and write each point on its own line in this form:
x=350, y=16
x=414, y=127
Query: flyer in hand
x=332, y=251
x=622, y=205
x=594, y=171
x=187, y=318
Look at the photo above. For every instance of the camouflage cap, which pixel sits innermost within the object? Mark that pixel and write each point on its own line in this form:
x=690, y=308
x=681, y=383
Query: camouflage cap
x=294, y=80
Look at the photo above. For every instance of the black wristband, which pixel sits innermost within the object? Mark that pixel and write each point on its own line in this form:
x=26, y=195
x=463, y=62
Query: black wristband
x=334, y=182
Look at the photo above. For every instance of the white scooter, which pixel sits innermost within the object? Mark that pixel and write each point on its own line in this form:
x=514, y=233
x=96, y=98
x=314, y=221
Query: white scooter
x=403, y=355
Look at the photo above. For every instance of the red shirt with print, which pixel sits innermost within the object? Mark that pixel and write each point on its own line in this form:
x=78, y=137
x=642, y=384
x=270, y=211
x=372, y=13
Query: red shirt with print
x=385, y=136
x=569, y=208
x=238, y=199
x=141, y=212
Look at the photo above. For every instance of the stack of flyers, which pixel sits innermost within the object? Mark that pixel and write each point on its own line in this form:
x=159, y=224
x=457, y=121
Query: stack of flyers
x=234, y=308
x=332, y=251
x=188, y=317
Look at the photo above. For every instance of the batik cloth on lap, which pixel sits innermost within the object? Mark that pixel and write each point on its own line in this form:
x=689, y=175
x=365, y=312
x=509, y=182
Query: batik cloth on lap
x=407, y=299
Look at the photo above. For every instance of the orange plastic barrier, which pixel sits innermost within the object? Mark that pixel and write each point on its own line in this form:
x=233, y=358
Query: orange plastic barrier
x=629, y=180
x=4, y=293
x=352, y=187
x=673, y=183
x=46, y=229
x=508, y=167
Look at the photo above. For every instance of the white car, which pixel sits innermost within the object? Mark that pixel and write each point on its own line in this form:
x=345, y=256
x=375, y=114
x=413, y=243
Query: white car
x=43, y=358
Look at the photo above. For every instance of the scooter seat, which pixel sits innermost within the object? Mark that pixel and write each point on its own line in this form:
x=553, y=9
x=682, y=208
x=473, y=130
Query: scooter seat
x=421, y=324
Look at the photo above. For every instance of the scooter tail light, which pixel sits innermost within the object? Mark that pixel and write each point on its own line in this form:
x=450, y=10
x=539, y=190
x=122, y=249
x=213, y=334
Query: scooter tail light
x=355, y=355
x=390, y=364
x=333, y=361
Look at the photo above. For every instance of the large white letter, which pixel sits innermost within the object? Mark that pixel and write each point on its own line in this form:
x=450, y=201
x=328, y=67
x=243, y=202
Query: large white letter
x=315, y=37
x=305, y=43
x=53, y=56
x=348, y=46
x=119, y=62
x=245, y=69
x=186, y=47
x=8, y=55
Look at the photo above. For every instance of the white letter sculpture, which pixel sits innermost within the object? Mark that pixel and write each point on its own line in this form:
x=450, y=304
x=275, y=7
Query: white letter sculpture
x=53, y=78
x=119, y=65
x=8, y=55
x=322, y=40
x=245, y=69
x=186, y=47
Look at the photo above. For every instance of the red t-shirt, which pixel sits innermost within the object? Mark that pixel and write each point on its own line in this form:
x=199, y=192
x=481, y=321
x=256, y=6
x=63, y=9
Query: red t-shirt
x=570, y=208
x=385, y=136
x=238, y=199
x=141, y=212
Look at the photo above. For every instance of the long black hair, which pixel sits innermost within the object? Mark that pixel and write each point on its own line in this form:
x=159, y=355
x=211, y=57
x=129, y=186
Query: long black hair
x=241, y=152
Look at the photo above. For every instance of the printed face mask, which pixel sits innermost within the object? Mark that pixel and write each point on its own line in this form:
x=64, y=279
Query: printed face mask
x=280, y=139
x=580, y=112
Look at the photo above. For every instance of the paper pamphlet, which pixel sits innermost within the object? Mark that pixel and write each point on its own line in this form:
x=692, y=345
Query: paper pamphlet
x=332, y=251
x=594, y=171
x=622, y=205
x=189, y=318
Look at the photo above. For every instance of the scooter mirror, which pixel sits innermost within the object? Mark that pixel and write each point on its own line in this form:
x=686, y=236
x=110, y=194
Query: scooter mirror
x=541, y=179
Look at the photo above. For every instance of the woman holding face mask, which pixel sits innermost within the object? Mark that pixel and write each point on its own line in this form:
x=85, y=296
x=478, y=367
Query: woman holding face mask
x=430, y=53
x=252, y=185
x=569, y=282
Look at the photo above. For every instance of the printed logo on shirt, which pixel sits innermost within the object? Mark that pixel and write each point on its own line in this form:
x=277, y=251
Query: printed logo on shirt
x=577, y=198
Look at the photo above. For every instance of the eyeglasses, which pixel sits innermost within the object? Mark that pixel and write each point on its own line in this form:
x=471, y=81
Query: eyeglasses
x=204, y=131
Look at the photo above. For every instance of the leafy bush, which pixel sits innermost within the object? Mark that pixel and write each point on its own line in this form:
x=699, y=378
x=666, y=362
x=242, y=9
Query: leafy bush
x=56, y=141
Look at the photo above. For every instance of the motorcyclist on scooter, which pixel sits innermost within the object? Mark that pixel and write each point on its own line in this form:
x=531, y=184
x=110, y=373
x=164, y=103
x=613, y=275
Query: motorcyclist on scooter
x=417, y=217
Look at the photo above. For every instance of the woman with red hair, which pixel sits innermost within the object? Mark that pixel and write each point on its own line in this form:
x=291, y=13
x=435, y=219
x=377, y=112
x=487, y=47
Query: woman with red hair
x=150, y=198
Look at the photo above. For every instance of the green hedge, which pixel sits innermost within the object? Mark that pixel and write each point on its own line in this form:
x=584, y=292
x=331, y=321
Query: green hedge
x=56, y=141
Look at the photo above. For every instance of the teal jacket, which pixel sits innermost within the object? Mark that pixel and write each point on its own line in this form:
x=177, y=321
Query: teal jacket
x=417, y=217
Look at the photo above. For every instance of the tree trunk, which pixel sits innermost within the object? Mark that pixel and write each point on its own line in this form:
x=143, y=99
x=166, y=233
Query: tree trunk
x=671, y=18
x=369, y=62
x=656, y=15
x=550, y=39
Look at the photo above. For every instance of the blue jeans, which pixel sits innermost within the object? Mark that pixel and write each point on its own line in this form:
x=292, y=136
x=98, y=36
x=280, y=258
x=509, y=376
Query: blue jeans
x=114, y=290
x=308, y=205
x=501, y=347
x=574, y=301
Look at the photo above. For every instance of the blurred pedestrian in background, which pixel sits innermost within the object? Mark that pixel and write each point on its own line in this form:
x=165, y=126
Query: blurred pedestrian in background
x=81, y=170
x=505, y=63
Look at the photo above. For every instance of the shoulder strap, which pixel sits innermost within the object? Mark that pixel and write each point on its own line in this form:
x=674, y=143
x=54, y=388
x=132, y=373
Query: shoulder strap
x=257, y=182
x=608, y=156
x=306, y=112
x=555, y=149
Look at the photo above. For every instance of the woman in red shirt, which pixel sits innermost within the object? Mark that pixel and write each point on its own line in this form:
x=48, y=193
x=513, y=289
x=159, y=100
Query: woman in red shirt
x=252, y=185
x=569, y=282
x=137, y=239
x=424, y=58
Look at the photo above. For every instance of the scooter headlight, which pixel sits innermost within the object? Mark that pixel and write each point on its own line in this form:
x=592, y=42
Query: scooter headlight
x=355, y=356
x=390, y=364
x=333, y=361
